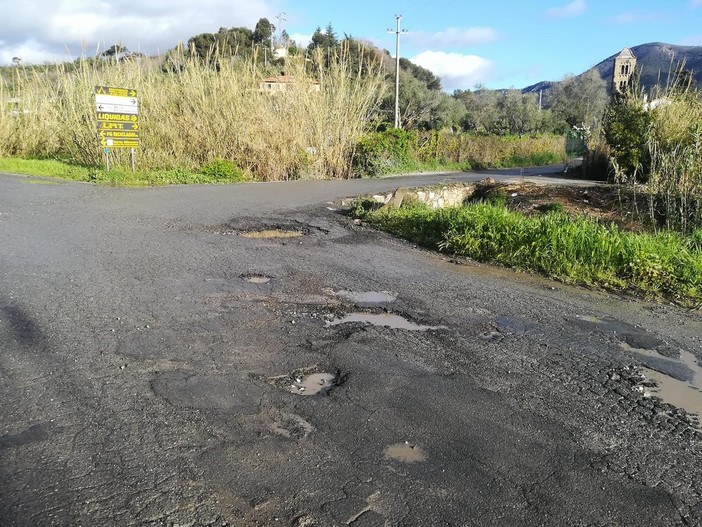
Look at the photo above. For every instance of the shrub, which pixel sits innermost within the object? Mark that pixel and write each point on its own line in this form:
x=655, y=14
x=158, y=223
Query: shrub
x=222, y=170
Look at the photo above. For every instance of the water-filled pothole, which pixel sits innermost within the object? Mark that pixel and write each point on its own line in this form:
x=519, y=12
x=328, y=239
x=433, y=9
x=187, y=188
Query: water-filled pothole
x=272, y=233
x=313, y=384
x=388, y=320
x=256, y=278
x=308, y=381
x=368, y=298
x=678, y=382
x=405, y=452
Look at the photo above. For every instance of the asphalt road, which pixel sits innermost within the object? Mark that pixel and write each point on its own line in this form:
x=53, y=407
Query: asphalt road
x=152, y=359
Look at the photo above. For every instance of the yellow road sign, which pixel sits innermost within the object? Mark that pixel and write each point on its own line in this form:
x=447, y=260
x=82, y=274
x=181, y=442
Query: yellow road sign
x=128, y=134
x=108, y=142
x=117, y=92
x=106, y=125
x=117, y=117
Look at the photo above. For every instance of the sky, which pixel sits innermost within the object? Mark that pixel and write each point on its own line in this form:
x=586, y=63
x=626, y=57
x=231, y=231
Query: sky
x=498, y=43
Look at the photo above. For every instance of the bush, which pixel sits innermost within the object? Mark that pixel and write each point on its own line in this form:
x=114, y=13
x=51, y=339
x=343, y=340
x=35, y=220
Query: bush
x=626, y=126
x=382, y=153
x=222, y=170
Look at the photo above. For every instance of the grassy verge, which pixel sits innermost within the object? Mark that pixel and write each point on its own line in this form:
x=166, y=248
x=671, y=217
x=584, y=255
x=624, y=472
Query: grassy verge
x=574, y=250
x=118, y=177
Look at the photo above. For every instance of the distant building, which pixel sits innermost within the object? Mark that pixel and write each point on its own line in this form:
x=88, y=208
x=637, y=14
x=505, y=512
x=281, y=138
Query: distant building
x=624, y=69
x=280, y=84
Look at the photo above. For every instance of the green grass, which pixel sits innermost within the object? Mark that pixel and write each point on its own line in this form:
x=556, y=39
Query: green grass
x=119, y=176
x=574, y=250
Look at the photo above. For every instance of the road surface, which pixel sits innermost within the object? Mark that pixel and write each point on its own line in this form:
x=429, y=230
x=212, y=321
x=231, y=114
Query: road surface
x=158, y=350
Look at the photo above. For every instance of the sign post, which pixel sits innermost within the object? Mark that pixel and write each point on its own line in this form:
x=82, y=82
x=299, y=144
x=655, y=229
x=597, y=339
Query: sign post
x=117, y=120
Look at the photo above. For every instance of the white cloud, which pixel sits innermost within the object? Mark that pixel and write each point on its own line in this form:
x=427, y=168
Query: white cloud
x=635, y=17
x=575, y=8
x=55, y=30
x=301, y=39
x=455, y=69
x=454, y=37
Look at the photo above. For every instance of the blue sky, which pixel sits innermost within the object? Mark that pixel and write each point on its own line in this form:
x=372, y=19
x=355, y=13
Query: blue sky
x=509, y=43
x=503, y=43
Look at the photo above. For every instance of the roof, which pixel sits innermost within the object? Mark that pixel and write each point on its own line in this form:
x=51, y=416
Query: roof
x=283, y=79
x=626, y=54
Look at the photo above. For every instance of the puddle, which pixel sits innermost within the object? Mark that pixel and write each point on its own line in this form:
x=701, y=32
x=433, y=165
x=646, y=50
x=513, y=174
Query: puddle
x=271, y=233
x=685, y=395
x=257, y=278
x=313, y=384
x=679, y=382
x=368, y=298
x=384, y=319
x=405, y=452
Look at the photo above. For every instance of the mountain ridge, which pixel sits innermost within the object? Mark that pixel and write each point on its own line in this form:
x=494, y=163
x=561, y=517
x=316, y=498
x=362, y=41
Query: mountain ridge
x=655, y=61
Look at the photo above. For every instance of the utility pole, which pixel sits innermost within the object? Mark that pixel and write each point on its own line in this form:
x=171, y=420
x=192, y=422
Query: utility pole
x=397, y=32
x=281, y=18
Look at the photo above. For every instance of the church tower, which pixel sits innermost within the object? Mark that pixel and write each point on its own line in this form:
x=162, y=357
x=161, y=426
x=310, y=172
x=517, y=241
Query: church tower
x=624, y=68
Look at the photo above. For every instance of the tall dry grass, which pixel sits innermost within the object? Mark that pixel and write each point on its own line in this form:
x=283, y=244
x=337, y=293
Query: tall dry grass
x=200, y=112
x=675, y=180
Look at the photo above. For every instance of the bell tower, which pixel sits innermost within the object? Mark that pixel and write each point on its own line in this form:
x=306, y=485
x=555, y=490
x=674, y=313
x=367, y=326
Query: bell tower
x=624, y=68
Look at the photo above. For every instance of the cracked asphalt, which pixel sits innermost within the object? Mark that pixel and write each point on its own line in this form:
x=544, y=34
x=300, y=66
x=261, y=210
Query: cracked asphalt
x=147, y=353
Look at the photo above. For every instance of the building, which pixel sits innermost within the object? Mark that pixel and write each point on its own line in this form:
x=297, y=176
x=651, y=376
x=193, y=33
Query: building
x=624, y=69
x=280, y=84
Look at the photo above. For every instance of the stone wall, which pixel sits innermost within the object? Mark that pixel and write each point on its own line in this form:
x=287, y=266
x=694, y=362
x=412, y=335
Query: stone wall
x=436, y=197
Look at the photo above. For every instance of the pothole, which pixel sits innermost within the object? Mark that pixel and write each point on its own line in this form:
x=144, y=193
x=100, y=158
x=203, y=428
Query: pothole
x=368, y=298
x=256, y=278
x=405, y=452
x=678, y=382
x=388, y=320
x=272, y=233
x=308, y=381
x=290, y=425
x=313, y=384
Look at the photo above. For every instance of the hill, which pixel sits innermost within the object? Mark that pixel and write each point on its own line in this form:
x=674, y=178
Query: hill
x=655, y=61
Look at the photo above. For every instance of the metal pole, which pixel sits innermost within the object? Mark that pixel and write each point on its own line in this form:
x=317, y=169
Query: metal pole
x=107, y=159
x=397, y=73
x=133, y=161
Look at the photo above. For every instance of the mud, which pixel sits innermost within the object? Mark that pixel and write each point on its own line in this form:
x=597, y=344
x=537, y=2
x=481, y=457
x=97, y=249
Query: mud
x=272, y=233
x=405, y=452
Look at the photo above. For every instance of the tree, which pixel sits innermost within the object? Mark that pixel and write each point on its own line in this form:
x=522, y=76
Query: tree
x=431, y=81
x=323, y=39
x=579, y=100
x=482, y=112
x=518, y=111
x=263, y=32
x=626, y=127
x=115, y=50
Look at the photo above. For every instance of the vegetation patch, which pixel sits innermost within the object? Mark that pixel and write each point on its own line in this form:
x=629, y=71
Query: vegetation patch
x=578, y=249
x=116, y=177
